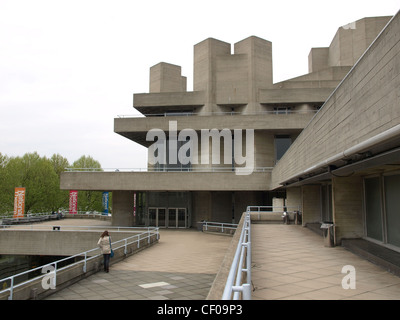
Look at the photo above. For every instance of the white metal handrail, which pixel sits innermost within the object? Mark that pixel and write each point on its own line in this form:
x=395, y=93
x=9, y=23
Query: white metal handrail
x=221, y=113
x=273, y=209
x=124, y=243
x=74, y=228
x=221, y=225
x=241, y=264
x=171, y=169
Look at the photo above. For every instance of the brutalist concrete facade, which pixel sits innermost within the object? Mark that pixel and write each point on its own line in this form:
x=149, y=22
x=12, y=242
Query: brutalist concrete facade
x=235, y=91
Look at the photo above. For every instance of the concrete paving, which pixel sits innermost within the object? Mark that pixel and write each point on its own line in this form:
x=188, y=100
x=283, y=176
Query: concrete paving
x=182, y=266
x=289, y=262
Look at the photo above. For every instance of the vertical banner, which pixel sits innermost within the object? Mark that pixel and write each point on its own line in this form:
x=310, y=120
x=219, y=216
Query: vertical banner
x=105, y=201
x=73, y=202
x=134, y=204
x=19, y=202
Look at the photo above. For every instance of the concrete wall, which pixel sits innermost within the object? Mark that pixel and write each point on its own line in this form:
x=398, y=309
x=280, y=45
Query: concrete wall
x=204, y=76
x=348, y=207
x=218, y=286
x=232, y=79
x=294, y=198
x=348, y=44
x=364, y=105
x=122, y=204
x=57, y=243
x=162, y=181
x=64, y=278
x=166, y=77
x=311, y=203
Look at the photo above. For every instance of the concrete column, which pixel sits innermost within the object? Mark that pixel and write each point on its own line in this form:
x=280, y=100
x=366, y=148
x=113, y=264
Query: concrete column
x=122, y=204
x=259, y=54
x=311, y=203
x=166, y=77
x=204, y=71
x=347, y=196
x=201, y=206
x=293, y=198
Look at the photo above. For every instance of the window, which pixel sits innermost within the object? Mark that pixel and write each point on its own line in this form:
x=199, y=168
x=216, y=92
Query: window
x=373, y=210
x=282, y=110
x=382, y=208
x=392, y=208
x=282, y=144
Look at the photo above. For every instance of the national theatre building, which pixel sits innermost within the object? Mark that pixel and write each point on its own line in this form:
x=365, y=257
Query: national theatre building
x=327, y=142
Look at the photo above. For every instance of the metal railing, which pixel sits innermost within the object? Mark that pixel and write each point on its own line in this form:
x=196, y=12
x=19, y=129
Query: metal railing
x=170, y=169
x=218, y=113
x=84, y=256
x=235, y=287
x=222, y=226
x=289, y=212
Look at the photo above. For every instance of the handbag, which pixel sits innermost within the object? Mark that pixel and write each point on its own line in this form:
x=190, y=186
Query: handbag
x=112, y=252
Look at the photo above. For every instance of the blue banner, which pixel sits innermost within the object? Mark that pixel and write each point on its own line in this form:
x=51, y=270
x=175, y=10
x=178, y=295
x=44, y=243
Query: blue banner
x=105, y=201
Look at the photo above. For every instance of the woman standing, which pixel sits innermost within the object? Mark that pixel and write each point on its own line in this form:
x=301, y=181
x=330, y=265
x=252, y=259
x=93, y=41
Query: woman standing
x=105, y=245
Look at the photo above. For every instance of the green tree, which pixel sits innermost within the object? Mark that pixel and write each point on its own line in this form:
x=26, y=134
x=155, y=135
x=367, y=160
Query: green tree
x=37, y=175
x=59, y=164
x=5, y=196
x=89, y=200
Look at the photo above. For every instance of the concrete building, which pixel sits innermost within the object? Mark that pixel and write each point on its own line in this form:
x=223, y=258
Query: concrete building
x=315, y=139
x=344, y=167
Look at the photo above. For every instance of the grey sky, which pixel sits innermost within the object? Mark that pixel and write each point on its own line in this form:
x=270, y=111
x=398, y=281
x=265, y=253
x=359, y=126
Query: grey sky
x=68, y=68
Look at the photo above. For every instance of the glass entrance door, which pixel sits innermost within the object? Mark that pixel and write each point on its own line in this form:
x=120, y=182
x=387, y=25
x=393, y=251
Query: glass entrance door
x=157, y=217
x=172, y=217
x=181, y=219
x=168, y=218
x=177, y=218
x=161, y=217
x=152, y=217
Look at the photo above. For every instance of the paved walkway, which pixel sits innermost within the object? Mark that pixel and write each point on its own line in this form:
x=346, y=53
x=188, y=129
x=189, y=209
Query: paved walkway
x=182, y=266
x=290, y=262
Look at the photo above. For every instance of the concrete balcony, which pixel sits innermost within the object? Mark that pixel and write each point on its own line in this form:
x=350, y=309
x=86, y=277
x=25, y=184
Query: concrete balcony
x=136, y=129
x=294, y=95
x=158, y=103
x=166, y=181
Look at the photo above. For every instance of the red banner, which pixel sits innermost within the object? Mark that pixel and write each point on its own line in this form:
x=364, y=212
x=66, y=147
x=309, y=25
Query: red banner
x=73, y=202
x=19, y=202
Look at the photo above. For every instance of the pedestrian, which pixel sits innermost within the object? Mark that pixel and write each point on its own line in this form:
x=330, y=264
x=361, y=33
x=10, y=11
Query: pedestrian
x=105, y=246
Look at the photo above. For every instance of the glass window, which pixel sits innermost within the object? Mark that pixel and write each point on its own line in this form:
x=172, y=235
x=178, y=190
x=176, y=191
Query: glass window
x=373, y=208
x=282, y=144
x=282, y=110
x=392, y=206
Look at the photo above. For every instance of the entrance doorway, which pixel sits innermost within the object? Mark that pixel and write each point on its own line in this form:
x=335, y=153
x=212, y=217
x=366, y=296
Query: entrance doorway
x=168, y=218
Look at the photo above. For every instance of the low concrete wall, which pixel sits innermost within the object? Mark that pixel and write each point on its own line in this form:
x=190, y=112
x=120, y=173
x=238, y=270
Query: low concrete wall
x=50, y=242
x=218, y=286
x=34, y=290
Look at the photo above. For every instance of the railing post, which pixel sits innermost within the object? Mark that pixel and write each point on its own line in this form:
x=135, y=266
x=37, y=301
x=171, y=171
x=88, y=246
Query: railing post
x=246, y=293
x=84, y=264
x=55, y=274
x=10, y=297
x=125, y=248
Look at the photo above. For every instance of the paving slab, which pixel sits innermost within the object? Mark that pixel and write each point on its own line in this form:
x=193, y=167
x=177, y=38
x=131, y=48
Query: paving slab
x=290, y=262
x=182, y=266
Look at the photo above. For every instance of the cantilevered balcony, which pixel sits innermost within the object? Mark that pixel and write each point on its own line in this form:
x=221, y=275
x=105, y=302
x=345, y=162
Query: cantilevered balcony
x=199, y=180
x=136, y=128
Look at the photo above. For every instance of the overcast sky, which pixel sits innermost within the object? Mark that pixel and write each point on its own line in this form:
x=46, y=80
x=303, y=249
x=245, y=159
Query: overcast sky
x=68, y=68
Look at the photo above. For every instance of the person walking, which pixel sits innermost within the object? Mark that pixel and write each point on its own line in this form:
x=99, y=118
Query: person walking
x=104, y=244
